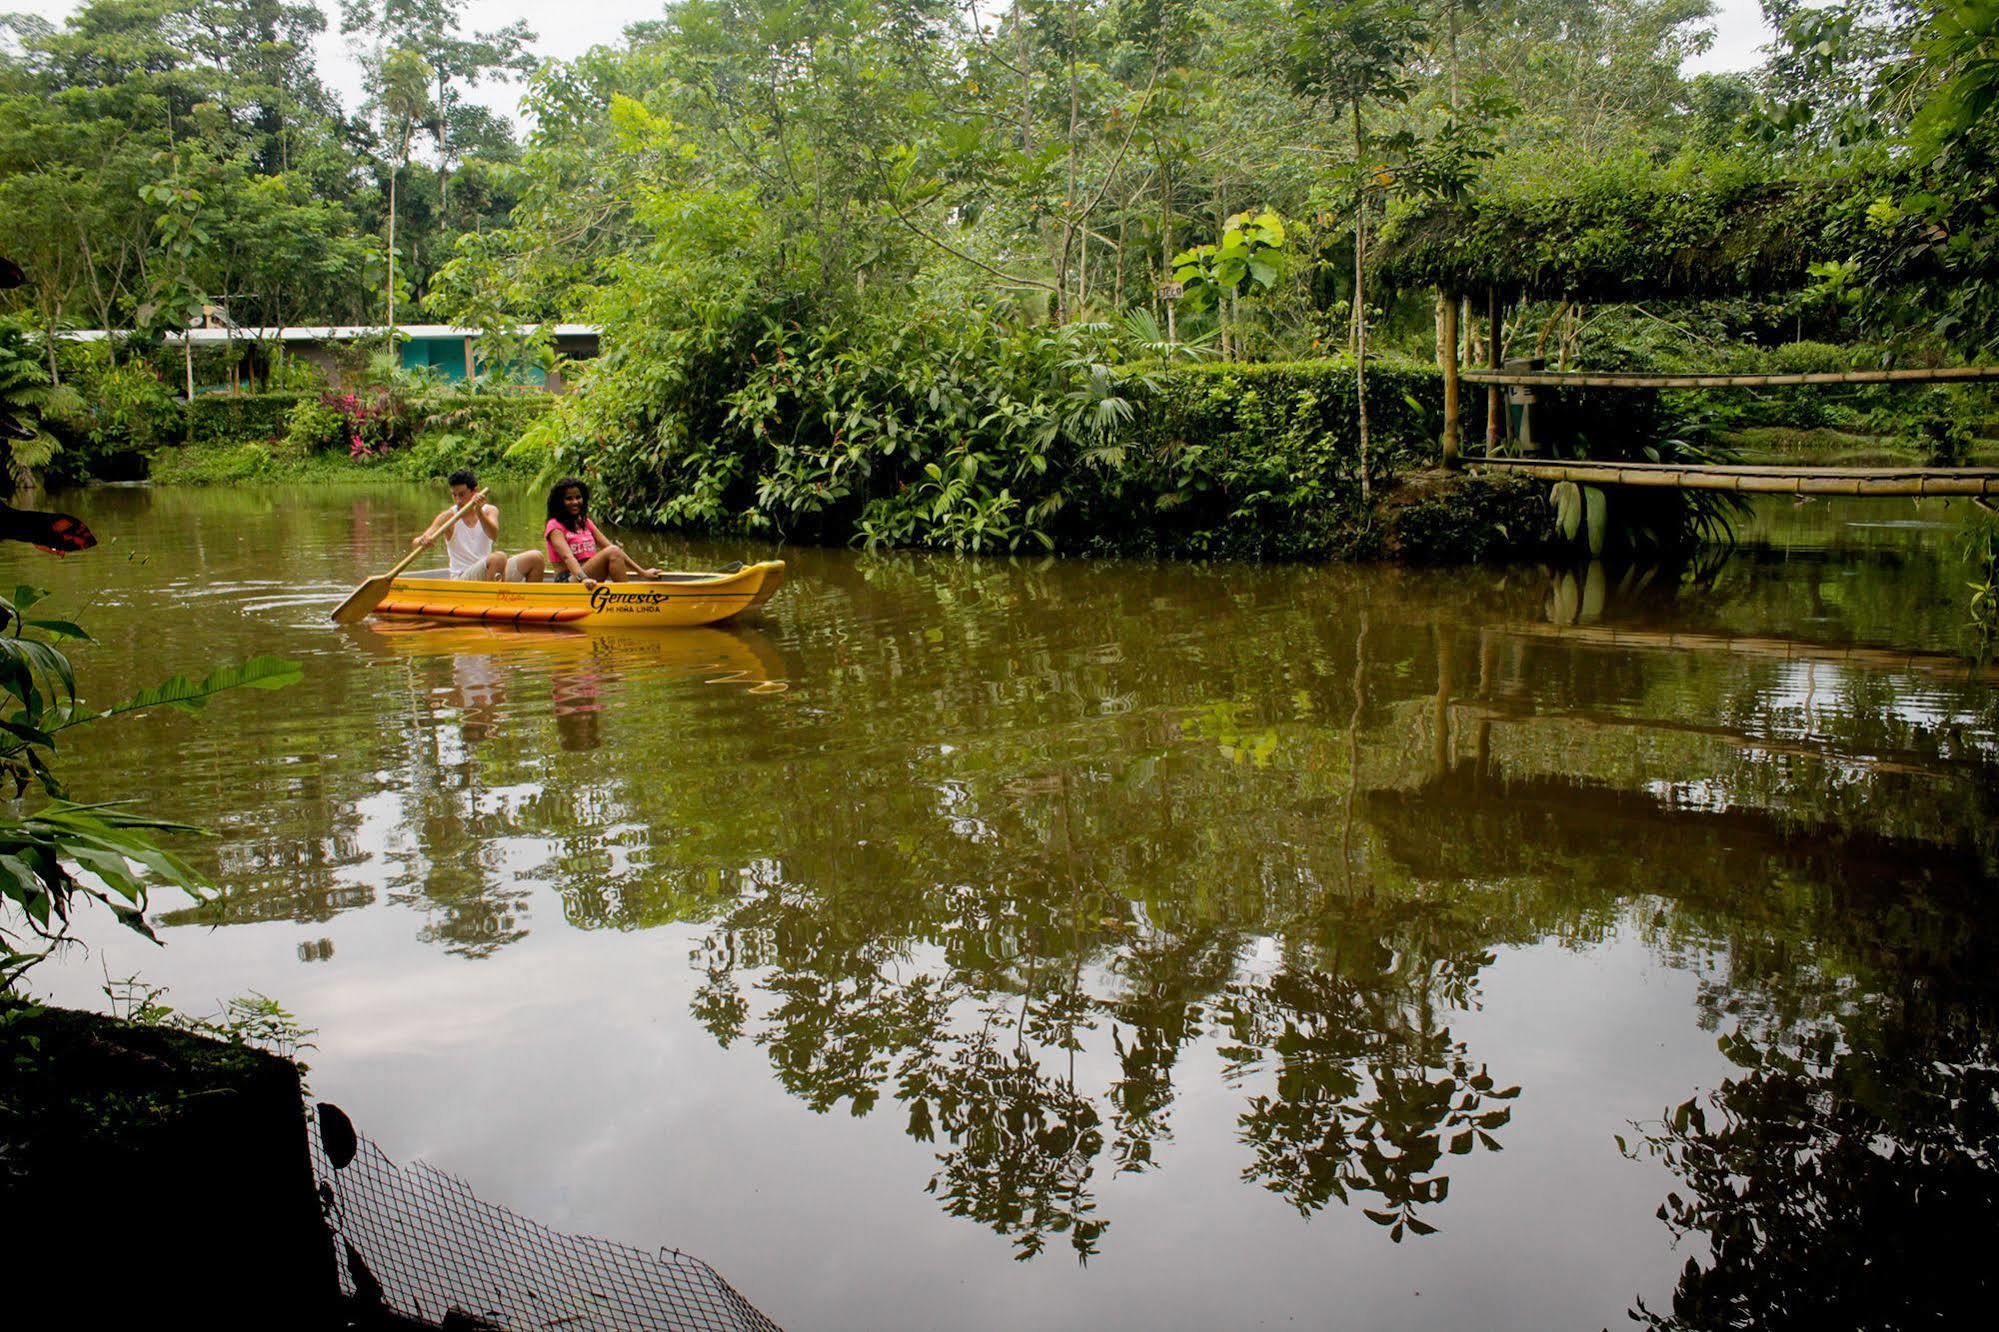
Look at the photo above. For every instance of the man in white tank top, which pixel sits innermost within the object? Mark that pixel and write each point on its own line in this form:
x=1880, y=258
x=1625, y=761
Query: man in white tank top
x=469, y=545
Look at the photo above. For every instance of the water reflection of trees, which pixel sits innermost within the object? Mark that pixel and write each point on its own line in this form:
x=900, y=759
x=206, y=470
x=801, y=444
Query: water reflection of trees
x=971, y=974
x=1369, y=1098
x=1030, y=835
x=1839, y=1182
x=1837, y=1177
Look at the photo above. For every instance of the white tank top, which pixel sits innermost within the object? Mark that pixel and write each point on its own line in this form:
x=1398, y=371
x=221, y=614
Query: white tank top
x=468, y=546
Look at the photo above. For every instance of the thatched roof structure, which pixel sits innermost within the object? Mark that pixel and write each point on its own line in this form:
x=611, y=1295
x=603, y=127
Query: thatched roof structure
x=1631, y=242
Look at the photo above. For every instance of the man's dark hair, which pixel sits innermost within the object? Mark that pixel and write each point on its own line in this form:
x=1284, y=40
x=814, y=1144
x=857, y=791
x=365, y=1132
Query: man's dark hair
x=463, y=477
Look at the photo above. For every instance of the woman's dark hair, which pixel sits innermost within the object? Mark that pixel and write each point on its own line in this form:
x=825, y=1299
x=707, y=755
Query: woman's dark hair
x=463, y=477
x=558, y=511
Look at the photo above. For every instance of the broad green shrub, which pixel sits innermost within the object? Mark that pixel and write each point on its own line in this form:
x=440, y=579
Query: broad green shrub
x=1807, y=358
x=312, y=426
x=481, y=429
x=1465, y=518
x=950, y=428
x=1940, y=426
x=293, y=374
x=239, y=462
x=127, y=414
x=33, y=409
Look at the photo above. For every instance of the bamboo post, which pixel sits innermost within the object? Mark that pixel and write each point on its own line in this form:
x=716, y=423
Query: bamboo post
x=1495, y=419
x=1447, y=347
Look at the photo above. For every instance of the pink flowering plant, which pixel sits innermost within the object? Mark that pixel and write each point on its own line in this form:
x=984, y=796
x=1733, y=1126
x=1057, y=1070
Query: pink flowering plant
x=373, y=421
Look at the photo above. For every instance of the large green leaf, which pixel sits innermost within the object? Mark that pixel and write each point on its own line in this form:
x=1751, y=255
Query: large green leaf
x=1568, y=501
x=1596, y=506
x=60, y=628
x=26, y=665
x=191, y=696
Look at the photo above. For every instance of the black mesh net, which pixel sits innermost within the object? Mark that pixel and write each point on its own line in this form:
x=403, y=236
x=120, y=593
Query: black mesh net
x=413, y=1243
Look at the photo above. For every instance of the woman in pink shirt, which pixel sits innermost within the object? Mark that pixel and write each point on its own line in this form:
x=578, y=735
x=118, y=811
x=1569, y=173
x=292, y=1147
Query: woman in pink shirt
x=577, y=551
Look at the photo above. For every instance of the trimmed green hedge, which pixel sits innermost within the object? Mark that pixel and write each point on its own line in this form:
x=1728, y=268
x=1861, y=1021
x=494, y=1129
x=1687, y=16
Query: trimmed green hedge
x=1258, y=461
x=246, y=418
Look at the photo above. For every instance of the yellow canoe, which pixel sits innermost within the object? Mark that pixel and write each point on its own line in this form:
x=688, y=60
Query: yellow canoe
x=676, y=601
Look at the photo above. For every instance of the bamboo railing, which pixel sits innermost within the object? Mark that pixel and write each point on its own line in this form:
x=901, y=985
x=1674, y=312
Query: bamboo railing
x=1762, y=479
x=1615, y=379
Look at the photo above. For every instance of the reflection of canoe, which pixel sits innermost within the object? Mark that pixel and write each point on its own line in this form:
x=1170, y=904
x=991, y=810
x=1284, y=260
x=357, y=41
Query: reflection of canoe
x=674, y=602
x=737, y=654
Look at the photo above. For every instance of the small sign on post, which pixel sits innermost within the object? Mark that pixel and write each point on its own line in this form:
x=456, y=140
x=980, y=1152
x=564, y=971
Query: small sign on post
x=1520, y=401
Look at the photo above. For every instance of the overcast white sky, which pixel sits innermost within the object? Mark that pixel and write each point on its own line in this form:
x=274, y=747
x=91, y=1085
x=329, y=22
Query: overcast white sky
x=570, y=27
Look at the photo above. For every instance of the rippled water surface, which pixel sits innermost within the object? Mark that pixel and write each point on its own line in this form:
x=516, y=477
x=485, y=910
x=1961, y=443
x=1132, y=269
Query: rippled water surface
x=1064, y=945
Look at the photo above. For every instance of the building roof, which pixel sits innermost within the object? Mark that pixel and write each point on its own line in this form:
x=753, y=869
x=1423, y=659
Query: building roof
x=332, y=333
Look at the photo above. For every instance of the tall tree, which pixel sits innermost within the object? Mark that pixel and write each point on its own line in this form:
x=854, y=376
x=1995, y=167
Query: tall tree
x=457, y=62
x=405, y=97
x=1350, y=56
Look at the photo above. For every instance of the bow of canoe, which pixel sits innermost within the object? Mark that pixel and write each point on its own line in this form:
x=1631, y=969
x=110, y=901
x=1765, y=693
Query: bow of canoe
x=676, y=601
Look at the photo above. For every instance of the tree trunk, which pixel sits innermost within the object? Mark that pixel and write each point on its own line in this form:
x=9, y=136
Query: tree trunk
x=1117, y=273
x=1548, y=329
x=1452, y=29
x=1069, y=202
x=392, y=255
x=1026, y=78
x=1222, y=302
x=1360, y=305
x=1166, y=237
x=443, y=154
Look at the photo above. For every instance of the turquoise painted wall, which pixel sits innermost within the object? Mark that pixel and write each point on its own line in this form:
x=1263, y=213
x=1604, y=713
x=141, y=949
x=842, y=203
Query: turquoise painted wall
x=447, y=357
x=444, y=355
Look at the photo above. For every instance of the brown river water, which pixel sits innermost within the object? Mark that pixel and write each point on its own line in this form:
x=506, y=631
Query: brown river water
x=1062, y=944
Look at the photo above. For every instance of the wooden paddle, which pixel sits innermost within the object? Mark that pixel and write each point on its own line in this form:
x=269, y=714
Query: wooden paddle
x=366, y=597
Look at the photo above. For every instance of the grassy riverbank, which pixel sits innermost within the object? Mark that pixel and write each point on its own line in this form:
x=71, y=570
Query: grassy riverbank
x=234, y=462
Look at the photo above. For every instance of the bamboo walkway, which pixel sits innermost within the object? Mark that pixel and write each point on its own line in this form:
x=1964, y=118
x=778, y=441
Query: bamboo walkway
x=1625, y=379
x=1761, y=479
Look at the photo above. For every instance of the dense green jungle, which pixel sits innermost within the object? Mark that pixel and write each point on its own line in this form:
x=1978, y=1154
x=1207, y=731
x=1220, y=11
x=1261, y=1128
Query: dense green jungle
x=1004, y=277
x=1358, y=886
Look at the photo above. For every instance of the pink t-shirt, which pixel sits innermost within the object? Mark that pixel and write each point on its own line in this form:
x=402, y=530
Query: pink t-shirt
x=581, y=544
